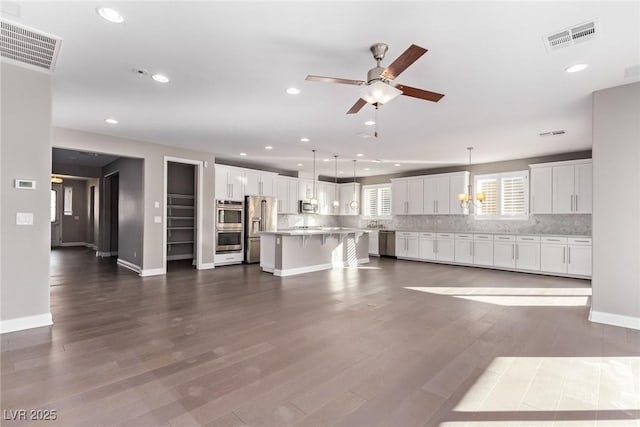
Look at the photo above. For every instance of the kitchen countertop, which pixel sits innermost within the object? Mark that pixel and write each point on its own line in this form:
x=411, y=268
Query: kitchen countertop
x=501, y=233
x=316, y=231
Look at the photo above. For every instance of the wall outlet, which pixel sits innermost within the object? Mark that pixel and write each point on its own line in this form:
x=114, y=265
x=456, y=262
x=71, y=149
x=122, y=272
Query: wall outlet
x=157, y=219
x=156, y=204
x=135, y=254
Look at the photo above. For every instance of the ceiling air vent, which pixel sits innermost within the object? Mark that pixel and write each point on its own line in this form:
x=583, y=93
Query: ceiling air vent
x=26, y=46
x=570, y=36
x=553, y=133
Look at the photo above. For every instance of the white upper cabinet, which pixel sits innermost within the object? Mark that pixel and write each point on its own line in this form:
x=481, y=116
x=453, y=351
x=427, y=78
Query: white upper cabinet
x=562, y=187
x=287, y=194
x=436, y=194
x=229, y=183
x=259, y=183
x=306, y=191
x=541, y=190
x=407, y=196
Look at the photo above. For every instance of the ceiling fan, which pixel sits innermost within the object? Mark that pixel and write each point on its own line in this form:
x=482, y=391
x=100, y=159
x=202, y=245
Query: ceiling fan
x=378, y=90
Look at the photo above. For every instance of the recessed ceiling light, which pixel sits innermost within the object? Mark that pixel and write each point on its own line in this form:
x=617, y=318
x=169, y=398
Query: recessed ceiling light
x=293, y=90
x=369, y=123
x=110, y=15
x=243, y=154
x=376, y=161
x=160, y=78
x=300, y=164
x=111, y=121
x=396, y=164
x=359, y=154
x=367, y=169
x=325, y=160
x=304, y=139
x=341, y=173
x=268, y=147
x=576, y=68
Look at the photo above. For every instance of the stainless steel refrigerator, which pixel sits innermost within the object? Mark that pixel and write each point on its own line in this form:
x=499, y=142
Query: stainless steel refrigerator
x=261, y=214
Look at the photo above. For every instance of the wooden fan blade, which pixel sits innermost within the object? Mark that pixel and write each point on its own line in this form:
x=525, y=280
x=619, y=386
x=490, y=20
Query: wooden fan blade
x=420, y=93
x=334, y=80
x=407, y=58
x=357, y=106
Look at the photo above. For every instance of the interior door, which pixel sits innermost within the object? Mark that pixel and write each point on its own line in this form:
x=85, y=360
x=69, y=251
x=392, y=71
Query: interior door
x=56, y=215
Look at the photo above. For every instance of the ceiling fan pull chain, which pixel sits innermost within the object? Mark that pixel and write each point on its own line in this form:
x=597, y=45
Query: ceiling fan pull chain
x=375, y=131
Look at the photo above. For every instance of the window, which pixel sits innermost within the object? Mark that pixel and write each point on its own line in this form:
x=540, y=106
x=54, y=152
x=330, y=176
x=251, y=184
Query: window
x=376, y=201
x=68, y=201
x=506, y=195
x=54, y=205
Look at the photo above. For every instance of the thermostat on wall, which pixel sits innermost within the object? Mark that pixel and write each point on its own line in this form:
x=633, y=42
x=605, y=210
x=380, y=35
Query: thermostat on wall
x=25, y=184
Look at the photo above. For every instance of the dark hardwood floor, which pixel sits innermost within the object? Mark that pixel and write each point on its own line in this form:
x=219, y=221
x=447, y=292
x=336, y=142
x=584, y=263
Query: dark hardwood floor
x=392, y=343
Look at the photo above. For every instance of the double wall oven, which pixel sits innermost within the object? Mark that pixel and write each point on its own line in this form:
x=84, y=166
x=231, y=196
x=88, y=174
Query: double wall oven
x=229, y=226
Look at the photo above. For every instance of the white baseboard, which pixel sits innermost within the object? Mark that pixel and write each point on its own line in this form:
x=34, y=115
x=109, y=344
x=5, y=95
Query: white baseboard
x=152, y=272
x=105, y=254
x=206, y=266
x=27, y=322
x=69, y=244
x=301, y=270
x=91, y=246
x=131, y=266
x=614, y=319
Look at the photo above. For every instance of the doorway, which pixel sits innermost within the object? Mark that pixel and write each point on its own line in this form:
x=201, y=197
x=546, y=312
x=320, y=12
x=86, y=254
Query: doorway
x=92, y=217
x=111, y=197
x=56, y=215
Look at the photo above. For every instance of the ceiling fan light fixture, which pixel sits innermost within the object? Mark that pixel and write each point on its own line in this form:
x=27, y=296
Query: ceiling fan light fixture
x=379, y=93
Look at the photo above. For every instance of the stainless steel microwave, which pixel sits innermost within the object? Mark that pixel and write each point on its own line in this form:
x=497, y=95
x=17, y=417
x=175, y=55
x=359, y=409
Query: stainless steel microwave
x=306, y=207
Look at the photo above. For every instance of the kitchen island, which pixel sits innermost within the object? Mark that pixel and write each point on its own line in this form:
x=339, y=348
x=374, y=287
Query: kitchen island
x=290, y=252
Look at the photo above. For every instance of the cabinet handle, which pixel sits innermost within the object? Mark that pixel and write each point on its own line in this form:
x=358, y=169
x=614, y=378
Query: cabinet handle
x=569, y=257
x=517, y=252
x=512, y=252
x=572, y=203
x=406, y=209
x=435, y=246
x=564, y=255
x=434, y=207
x=576, y=203
x=471, y=249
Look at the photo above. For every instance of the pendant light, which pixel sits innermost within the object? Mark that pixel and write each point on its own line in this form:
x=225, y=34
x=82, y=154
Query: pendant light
x=336, y=202
x=314, y=199
x=354, y=203
x=466, y=199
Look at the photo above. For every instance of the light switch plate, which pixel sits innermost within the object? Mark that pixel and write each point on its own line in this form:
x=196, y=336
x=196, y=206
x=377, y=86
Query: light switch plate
x=156, y=204
x=157, y=219
x=24, y=218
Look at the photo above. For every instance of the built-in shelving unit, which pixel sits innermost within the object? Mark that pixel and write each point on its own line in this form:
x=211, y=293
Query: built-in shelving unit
x=180, y=226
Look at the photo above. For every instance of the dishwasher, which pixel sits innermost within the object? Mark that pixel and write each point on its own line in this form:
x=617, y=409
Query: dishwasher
x=387, y=243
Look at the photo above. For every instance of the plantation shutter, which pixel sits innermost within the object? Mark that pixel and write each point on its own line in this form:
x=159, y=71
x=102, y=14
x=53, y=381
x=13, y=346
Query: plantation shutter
x=370, y=205
x=513, y=195
x=489, y=187
x=384, y=197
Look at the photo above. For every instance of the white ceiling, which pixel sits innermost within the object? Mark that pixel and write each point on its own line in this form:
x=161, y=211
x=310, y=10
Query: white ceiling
x=230, y=63
x=81, y=158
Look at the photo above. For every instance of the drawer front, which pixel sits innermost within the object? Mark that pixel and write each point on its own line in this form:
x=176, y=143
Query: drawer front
x=444, y=235
x=504, y=238
x=584, y=241
x=554, y=240
x=483, y=237
x=427, y=235
x=464, y=236
x=406, y=234
x=529, y=239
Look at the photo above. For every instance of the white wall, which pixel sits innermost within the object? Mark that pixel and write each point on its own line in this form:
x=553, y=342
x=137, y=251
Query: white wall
x=616, y=206
x=153, y=184
x=25, y=153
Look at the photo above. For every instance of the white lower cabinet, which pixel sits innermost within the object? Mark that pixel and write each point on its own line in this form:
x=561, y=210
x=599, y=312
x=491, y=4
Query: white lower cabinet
x=463, y=252
x=445, y=248
x=553, y=254
x=528, y=253
x=427, y=246
x=483, y=249
x=579, y=256
x=374, y=240
x=504, y=251
x=407, y=245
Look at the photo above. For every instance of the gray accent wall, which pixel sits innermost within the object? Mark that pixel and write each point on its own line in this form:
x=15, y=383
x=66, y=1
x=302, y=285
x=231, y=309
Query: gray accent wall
x=153, y=186
x=130, y=208
x=25, y=152
x=616, y=204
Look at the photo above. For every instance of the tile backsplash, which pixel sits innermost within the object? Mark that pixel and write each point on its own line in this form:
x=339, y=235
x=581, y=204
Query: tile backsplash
x=307, y=220
x=535, y=224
